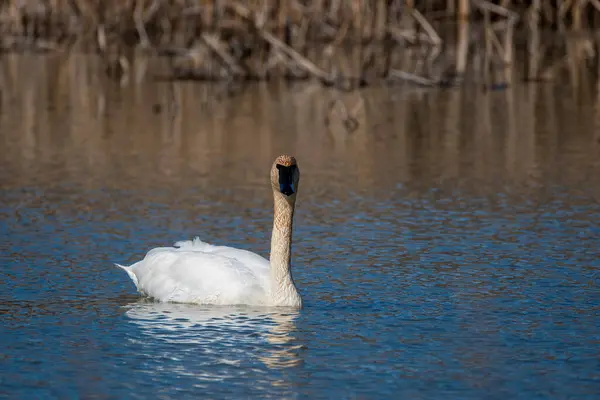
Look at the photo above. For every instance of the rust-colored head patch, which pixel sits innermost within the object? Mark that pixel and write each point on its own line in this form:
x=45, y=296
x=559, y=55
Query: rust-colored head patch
x=285, y=160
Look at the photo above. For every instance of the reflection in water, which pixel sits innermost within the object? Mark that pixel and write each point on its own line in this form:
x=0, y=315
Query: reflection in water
x=279, y=336
x=71, y=124
x=220, y=335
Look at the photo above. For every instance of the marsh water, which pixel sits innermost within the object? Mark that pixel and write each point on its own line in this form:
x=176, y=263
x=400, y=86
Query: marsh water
x=447, y=248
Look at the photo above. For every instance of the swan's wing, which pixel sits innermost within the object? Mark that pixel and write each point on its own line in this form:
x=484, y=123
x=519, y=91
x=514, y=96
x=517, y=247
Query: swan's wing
x=194, y=276
x=248, y=258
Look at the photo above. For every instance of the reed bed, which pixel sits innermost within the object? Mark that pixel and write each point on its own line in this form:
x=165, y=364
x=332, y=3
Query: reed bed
x=342, y=43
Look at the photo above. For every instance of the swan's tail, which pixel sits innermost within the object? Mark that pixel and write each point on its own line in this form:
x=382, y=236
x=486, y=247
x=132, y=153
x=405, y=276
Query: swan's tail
x=130, y=273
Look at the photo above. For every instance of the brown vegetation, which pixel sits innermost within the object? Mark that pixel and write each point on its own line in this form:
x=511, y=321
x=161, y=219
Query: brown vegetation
x=343, y=43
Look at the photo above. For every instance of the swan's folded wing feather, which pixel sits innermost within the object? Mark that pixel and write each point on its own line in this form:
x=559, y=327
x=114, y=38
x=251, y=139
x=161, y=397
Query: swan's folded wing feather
x=246, y=257
x=199, y=277
x=194, y=245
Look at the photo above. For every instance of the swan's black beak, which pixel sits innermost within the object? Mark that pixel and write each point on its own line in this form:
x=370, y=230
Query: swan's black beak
x=288, y=190
x=286, y=179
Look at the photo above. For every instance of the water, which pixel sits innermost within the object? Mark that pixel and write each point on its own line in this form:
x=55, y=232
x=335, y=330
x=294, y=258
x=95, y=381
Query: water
x=448, y=248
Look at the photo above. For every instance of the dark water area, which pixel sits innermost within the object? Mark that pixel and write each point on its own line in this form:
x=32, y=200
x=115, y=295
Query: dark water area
x=447, y=248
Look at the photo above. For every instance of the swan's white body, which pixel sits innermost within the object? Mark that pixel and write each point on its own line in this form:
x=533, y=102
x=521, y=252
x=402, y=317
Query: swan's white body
x=197, y=272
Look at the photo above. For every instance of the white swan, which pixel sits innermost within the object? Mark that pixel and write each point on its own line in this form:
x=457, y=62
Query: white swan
x=197, y=272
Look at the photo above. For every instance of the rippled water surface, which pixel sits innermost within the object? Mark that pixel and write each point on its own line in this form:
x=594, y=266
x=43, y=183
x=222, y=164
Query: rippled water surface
x=448, y=248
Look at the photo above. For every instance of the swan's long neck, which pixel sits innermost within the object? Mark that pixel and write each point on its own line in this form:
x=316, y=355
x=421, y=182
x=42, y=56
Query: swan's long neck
x=283, y=289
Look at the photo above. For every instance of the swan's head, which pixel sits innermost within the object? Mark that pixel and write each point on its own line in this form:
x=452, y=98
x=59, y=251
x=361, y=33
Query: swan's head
x=285, y=176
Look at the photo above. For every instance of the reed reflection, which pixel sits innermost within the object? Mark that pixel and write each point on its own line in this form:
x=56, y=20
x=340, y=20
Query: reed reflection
x=66, y=123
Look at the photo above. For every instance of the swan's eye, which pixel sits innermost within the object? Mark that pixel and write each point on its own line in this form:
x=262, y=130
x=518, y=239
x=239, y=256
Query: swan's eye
x=286, y=179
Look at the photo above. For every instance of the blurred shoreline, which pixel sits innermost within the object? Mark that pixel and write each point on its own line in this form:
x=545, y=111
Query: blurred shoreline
x=347, y=45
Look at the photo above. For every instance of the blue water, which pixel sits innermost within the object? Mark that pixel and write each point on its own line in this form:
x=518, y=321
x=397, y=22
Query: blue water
x=472, y=286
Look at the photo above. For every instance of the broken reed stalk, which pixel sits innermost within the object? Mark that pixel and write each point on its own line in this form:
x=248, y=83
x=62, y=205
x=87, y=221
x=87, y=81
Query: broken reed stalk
x=533, y=42
x=236, y=39
x=464, y=12
x=503, y=50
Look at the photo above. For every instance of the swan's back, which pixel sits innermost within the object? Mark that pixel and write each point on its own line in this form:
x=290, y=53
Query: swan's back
x=197, y=272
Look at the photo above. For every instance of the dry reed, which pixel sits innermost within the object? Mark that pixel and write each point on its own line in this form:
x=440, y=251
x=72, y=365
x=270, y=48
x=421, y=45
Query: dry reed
x=347, y=44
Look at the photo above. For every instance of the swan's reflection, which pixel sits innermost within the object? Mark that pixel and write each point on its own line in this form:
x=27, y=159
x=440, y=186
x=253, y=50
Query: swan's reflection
x=221, y=338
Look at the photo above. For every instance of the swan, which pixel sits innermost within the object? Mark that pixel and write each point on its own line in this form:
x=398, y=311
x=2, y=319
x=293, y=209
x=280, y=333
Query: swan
x=194, y=271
